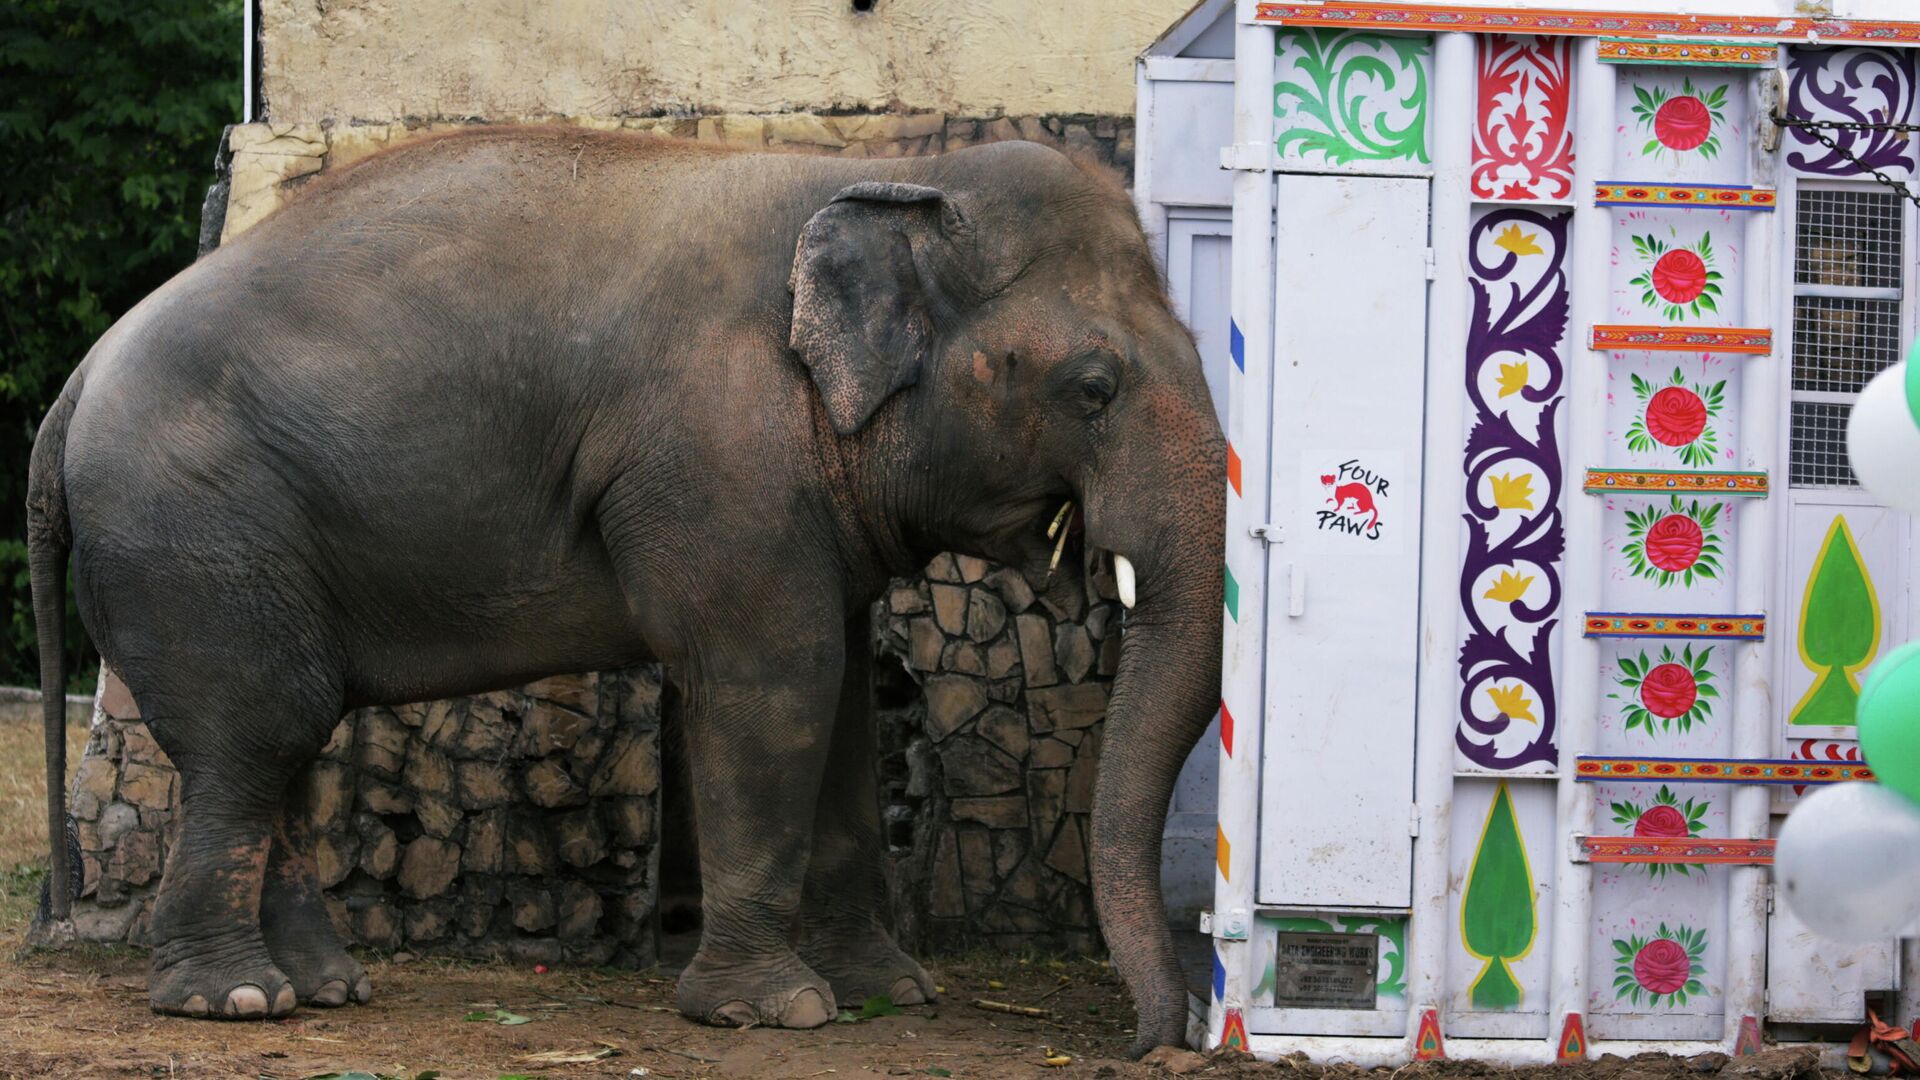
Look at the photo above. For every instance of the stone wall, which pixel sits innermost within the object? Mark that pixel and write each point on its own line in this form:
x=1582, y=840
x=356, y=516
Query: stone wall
x=994, y=743
x=519, y=823
x=525, y=822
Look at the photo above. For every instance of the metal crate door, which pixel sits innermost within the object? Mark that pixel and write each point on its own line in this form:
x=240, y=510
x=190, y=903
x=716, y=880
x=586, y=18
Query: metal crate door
x=1350, y=321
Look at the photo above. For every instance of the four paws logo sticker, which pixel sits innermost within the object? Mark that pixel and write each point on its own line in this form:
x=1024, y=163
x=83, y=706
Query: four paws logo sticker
x=1355, y=496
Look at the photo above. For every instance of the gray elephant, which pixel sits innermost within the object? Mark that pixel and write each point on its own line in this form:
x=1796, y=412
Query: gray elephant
x=513, y=402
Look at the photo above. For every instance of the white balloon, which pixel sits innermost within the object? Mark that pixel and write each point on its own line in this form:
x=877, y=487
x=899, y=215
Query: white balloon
x=1843, y=862
x=1883, y=442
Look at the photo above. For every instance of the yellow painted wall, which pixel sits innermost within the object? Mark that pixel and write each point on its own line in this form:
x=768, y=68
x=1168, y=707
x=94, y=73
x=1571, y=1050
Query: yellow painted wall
x=376, y=60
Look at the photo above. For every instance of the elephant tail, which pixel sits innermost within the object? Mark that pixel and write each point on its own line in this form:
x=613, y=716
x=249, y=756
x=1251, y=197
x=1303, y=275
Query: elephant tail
x=49, y=540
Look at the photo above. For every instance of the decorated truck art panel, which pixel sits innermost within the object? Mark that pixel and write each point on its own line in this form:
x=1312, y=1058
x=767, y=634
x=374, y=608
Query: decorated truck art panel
x=1550, y=590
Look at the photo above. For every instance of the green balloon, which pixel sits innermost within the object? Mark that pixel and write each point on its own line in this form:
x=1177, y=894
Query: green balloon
x=1889, y=720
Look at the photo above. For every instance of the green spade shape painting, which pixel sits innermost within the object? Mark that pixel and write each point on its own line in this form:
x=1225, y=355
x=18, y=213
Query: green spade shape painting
x=1497, y=922
x=1839, y=630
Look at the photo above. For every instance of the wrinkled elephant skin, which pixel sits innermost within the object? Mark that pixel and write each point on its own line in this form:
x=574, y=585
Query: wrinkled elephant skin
x=515, y=402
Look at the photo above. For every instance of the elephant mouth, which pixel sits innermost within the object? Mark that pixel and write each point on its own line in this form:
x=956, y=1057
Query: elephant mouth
x=1064, y=525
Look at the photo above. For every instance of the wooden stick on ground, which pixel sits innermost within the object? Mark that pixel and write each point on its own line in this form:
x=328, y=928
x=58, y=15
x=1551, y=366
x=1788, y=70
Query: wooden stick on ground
x=1017, y=1010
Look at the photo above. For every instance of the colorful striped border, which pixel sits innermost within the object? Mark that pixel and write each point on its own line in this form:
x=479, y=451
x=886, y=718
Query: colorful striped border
x=1779, y=771
x=1717, y=196
x=1726, y=339
x=1692, y=53
x=1731, y=484
x=1675, y=849
x=1504, y=19
x=1624, y=624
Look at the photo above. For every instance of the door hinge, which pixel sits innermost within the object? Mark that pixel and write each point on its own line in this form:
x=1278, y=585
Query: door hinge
x=1432, y=264
x=1268, y=534
x=1206, y=923
x=1247, y=157
x=1769, y=899
x=1413, y=820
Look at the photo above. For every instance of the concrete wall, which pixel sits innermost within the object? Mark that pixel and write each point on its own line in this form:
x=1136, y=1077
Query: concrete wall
x=375, y=60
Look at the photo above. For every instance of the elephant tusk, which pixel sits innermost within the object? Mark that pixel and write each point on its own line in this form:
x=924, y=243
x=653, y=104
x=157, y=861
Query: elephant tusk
x=1123, y=580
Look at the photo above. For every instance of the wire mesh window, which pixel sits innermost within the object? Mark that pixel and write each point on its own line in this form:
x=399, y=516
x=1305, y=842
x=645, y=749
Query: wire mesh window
x=1848, y=238
x=1848, y=272
x=1839, y=343
x=1820, y=446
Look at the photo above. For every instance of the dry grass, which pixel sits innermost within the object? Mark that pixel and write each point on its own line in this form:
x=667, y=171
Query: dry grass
x=23, y=814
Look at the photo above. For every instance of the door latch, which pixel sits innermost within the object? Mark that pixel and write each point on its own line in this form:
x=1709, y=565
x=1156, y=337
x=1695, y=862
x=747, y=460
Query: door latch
x=1268, y=534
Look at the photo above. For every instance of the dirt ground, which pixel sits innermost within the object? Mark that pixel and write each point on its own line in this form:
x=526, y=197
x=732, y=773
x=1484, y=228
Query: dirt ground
x=82, y=1013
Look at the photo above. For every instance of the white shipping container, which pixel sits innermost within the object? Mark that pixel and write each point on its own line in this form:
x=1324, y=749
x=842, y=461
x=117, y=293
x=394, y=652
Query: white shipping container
x=1549, y=587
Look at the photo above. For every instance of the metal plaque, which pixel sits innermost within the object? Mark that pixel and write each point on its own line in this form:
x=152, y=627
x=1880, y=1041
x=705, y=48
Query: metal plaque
x=1326, y=971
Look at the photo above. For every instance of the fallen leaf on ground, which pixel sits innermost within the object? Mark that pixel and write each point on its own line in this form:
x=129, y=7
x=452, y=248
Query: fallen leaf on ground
x=1054, y=1059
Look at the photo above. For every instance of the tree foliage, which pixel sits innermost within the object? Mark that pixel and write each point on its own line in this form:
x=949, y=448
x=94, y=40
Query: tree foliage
x=111, y=113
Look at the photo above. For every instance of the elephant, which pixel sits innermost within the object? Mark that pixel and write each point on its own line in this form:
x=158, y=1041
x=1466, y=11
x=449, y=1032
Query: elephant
x=515, y=401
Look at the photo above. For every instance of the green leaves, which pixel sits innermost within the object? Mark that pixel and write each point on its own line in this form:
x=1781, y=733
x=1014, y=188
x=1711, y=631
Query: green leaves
x=876, y=1005
x=499, y=1016
x=110, y=115
x=1839, y=629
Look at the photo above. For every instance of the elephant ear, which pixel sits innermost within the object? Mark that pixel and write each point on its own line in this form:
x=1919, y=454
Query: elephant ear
x=864, y=304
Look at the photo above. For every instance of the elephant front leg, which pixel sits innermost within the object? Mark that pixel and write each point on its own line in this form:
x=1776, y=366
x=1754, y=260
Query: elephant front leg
x=757, y=737
x=843, y=916
x=295, y=924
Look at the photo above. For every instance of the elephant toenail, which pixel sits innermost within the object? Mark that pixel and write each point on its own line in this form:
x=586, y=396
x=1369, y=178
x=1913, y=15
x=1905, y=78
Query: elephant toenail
x=246, y=1001
x=285, y=1001
x=906, y=991
x=808, y=1009
x=734, y=1013
x=363, y=991
x=194, y=1006
x=331, y=995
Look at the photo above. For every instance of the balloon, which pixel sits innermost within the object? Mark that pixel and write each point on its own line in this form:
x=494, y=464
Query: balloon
x=1883, y=441
x=1844, y=862
x=1889, y=718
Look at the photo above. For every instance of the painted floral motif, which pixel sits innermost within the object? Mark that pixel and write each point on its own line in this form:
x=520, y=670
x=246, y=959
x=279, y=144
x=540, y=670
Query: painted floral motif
x=1839, y=630
x=1522, y=136
x=1674, y=691
x=1678, y=281
x=1681, y=123
x=1674, y=544
x=1676, y=415
x=1343, y=96
x=1497, y=918
x=1859, y=85
x=1664, y=970
x=1510, y=572
x=1665, y=818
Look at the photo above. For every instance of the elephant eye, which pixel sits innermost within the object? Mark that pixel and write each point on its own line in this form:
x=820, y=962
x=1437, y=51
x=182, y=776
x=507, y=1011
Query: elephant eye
x=1095, y=385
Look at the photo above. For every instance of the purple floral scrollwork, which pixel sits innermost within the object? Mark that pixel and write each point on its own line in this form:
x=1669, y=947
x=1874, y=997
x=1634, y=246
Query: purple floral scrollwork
x=1515, y=534
x=1860, y=85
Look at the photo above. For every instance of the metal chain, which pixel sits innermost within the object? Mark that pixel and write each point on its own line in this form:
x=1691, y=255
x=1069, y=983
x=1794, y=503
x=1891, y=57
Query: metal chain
x=1815, y=128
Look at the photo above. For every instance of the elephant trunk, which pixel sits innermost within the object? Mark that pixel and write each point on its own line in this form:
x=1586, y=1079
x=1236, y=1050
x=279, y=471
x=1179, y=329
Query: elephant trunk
x=1164, y=694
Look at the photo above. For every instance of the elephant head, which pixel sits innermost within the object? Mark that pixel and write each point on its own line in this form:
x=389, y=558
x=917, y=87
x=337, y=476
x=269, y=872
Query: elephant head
x=990, y=339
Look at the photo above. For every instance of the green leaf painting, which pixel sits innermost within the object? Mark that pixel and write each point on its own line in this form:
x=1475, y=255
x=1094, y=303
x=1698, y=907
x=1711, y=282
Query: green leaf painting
x=1839, y=630
x=1345, y=96
x=1497, y=920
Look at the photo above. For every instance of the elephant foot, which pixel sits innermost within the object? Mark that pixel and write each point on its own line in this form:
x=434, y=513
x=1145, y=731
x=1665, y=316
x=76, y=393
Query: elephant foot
x=221, y=989
x=873, y=965
x=323, y=977
x=774, y=990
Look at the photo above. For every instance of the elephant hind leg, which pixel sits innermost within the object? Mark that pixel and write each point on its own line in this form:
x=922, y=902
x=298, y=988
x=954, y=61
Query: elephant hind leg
x=844, y=931
x=240, y=702
x=294, y=922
